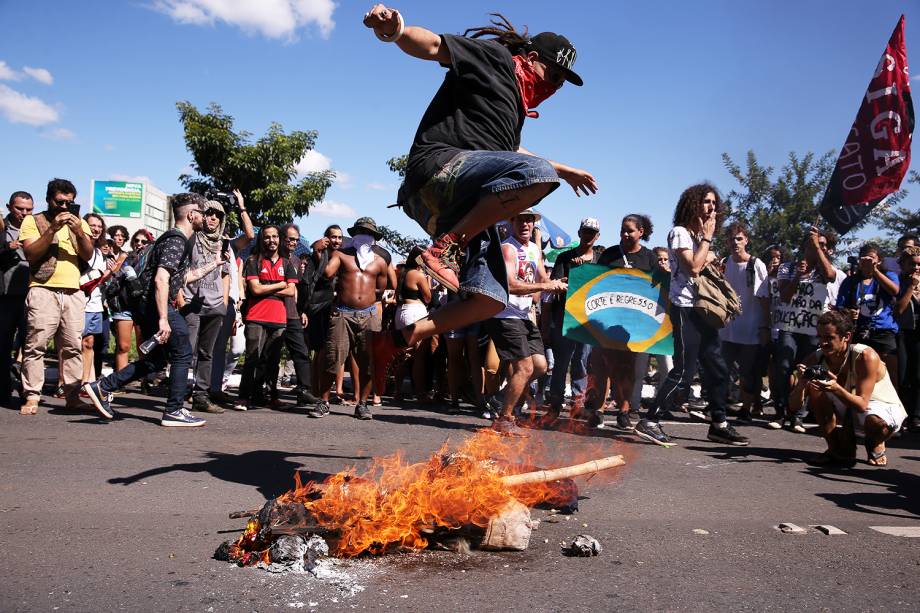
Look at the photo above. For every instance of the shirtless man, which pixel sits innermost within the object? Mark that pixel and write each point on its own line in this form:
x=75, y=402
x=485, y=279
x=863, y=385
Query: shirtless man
x=362, y=277
x=854, y=389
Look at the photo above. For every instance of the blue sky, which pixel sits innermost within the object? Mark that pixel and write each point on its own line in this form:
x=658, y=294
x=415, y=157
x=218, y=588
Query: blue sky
x=88, y=90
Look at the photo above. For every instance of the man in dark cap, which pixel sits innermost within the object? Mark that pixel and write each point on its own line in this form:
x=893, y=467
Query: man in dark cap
x=466, y=169
x=361, y=278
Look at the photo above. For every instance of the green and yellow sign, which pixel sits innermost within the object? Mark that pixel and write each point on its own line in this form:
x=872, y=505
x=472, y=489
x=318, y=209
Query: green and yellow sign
x=118, y=198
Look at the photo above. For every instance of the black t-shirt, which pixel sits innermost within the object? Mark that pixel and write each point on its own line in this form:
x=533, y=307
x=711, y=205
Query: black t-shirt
x=172, y=251
x=478, y=107
x=644, y=259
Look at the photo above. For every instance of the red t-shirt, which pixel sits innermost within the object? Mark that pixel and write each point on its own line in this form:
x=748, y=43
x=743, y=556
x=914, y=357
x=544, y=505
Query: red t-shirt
x=268, y=310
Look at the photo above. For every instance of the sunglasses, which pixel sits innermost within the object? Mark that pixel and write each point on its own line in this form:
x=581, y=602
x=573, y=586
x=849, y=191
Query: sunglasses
x=292, y=239
x=214, y=213
x=140, y=241
x=64, y=202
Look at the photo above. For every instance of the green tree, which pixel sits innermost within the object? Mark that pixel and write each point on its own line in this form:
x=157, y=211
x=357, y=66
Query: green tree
x=263, y=170
x=899, y=220
x=400, y=243
x=780, y=210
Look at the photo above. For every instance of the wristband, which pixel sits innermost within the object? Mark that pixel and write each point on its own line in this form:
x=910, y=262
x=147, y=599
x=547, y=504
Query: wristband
x=706, y=240
x=392, y=38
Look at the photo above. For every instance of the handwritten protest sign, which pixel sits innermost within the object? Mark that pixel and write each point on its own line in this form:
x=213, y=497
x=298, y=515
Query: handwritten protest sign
x=800, y=315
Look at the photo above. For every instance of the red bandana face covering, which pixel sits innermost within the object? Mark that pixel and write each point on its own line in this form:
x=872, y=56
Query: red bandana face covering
x=534, y=89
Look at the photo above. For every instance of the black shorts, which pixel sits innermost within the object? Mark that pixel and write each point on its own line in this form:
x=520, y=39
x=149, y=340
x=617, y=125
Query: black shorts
x=515, y=339
x=883, y=341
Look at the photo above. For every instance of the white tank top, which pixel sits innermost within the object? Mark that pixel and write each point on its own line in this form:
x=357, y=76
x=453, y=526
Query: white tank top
x=884, y=389
x=527, y=258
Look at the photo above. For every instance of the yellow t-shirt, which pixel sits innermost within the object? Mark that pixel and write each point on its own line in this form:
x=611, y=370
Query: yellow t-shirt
x=67, y=272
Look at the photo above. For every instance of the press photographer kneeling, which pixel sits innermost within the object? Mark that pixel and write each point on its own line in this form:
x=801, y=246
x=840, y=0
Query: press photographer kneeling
x=848, y=384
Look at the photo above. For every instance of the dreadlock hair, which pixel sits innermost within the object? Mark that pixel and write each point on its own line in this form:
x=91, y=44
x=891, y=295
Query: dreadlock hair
x=503, y=33
x=687, y=211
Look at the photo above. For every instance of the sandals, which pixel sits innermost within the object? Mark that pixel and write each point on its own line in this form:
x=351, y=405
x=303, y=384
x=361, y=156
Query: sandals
x=877, y=458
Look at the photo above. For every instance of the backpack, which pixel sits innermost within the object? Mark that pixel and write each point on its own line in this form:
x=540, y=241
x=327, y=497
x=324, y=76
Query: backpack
x=716, y=301
x=133, y=291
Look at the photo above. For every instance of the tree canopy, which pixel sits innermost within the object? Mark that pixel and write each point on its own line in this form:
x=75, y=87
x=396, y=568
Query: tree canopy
x=264, y=170
x=779, y=210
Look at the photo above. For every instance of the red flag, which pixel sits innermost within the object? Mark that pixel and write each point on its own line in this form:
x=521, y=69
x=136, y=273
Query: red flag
x=876, y=154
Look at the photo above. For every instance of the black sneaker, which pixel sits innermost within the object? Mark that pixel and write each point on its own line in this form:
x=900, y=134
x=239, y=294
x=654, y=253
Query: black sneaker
x=203, y=404
x=101, y=400
x=624, y=422
x=651, y=431
x=454, y=407
x=596, y=420
x=321, y=409
x=778, y=423
x=798, y=425
x=913, y=424
x=744, y=416
x=362, y=411
x=182, y=419
x=727, y=435
x=304, y=397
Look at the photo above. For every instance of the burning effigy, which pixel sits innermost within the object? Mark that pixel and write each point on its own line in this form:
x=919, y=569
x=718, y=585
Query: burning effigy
x=479, y=495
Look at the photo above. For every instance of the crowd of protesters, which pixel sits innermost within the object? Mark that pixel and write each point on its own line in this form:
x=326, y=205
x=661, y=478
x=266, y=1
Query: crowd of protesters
x=475, y=319
x=203, y=302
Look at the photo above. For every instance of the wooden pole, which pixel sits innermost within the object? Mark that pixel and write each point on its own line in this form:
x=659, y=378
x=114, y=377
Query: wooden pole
x=543, y=476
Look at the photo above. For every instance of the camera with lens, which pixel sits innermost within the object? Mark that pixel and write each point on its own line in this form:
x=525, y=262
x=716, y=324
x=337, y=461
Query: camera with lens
x=818, y=372
x=228, y=200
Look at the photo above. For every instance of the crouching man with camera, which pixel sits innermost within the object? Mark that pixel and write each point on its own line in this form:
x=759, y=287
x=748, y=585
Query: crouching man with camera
x=847, y=384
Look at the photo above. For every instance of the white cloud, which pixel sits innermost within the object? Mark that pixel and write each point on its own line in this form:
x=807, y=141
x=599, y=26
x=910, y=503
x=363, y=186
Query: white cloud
x=313, y=161
x=270, y=18
x=7, y=73
x=379, y=187
x=39, y=74
x=19, y=108
x=915, y=78
x=343, y=180
x=108, y=147
x=130, y=178
x=59, y=134
x=330, y=208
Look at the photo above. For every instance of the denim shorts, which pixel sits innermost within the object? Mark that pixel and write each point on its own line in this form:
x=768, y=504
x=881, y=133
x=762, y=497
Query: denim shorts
x=92, y=323
x=455, y=189
x=122, y=316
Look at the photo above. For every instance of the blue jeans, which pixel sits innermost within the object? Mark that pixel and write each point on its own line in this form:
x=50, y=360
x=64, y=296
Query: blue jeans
x=693, y=341
x=565, y=352
x=455, y=189
x=791, y=348
x=177, y=351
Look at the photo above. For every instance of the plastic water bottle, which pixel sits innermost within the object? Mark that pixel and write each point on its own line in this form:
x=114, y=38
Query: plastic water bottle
x=129, y=272
x=149, y=345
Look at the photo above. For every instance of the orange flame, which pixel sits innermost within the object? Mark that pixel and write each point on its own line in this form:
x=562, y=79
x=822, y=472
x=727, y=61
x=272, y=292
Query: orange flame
x=393, y=503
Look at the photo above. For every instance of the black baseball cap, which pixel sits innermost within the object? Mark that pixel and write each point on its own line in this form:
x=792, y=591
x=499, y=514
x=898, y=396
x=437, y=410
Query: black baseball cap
x=556, y=49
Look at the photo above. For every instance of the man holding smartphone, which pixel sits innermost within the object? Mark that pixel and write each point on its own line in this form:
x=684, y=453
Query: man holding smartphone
x=56, y=243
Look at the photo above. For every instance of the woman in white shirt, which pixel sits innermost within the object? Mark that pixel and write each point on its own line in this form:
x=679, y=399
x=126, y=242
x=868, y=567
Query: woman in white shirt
x=696, y=219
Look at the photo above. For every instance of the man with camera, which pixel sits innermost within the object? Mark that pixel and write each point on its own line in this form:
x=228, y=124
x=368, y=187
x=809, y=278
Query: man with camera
x=14, y=284
x=847, y=383
x=56, y=243
x=165, y=271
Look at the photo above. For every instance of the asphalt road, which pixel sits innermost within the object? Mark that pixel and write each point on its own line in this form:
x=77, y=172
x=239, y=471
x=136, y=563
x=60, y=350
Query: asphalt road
x=127, y=515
